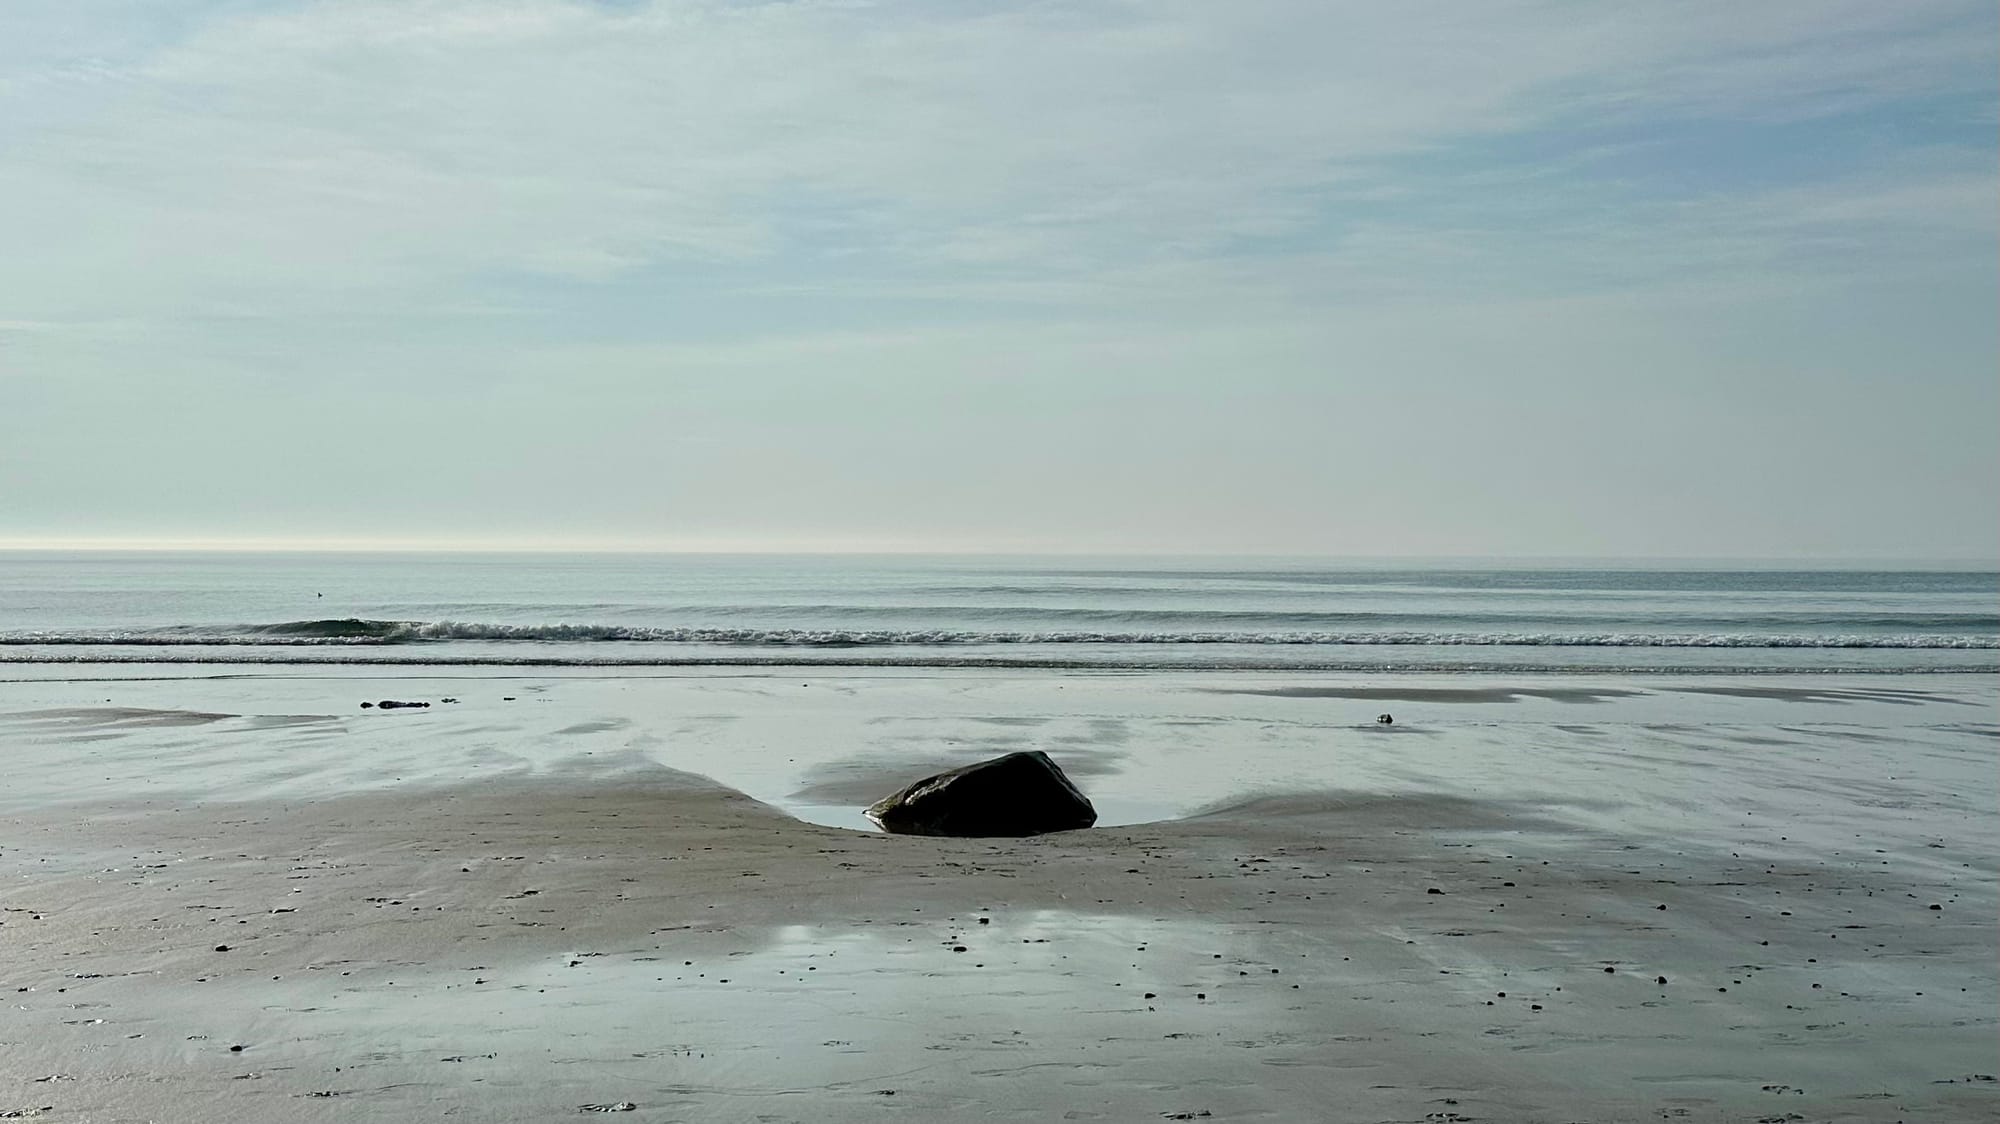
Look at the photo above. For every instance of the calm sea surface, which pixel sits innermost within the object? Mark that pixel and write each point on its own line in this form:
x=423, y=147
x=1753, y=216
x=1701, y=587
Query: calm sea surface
x=664, y=610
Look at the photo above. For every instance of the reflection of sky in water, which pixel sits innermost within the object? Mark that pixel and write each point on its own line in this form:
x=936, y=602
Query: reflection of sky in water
x=1143, y=748
x=921, y=983
x=924, y=1000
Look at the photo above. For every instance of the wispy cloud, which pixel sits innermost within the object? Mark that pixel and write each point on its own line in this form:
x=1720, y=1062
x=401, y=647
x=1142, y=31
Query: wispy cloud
x=344, y=148
x=226, y=197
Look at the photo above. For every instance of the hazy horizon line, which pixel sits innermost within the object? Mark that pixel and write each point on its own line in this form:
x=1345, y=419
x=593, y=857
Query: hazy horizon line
x=916, y=550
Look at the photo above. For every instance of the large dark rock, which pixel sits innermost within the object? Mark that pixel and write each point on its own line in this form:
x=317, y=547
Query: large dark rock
x=1019, y=794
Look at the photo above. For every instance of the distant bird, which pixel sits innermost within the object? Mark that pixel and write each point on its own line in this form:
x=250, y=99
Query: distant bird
x=1384, y=719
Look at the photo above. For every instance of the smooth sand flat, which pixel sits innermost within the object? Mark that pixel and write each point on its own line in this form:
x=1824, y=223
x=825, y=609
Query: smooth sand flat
x=607, y=931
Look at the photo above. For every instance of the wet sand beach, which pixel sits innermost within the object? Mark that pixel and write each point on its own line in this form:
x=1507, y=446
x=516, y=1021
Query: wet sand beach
x=245, y=899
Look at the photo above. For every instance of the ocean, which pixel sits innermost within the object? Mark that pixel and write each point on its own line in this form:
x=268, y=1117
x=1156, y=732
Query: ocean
x=629, y=610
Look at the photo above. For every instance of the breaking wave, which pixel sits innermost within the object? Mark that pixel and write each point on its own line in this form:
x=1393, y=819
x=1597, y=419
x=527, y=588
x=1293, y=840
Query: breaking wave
x=345, y=628
x=295, y=657
x=355, y=631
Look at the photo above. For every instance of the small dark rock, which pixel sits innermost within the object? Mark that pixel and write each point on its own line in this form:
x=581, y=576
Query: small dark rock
x=1016, y=795
x=368, y=706
x=1385, y=719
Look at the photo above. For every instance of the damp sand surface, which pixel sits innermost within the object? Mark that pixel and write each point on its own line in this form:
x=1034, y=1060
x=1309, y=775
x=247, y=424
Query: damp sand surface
x=565, y=894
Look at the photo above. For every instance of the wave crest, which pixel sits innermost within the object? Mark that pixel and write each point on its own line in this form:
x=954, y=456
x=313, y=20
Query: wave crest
x=357, y=631
x=343, y=628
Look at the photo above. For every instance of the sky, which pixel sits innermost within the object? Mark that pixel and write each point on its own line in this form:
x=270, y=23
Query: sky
x=1700, y=279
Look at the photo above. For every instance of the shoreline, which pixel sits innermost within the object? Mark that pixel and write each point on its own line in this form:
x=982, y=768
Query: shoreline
x=12, y=671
